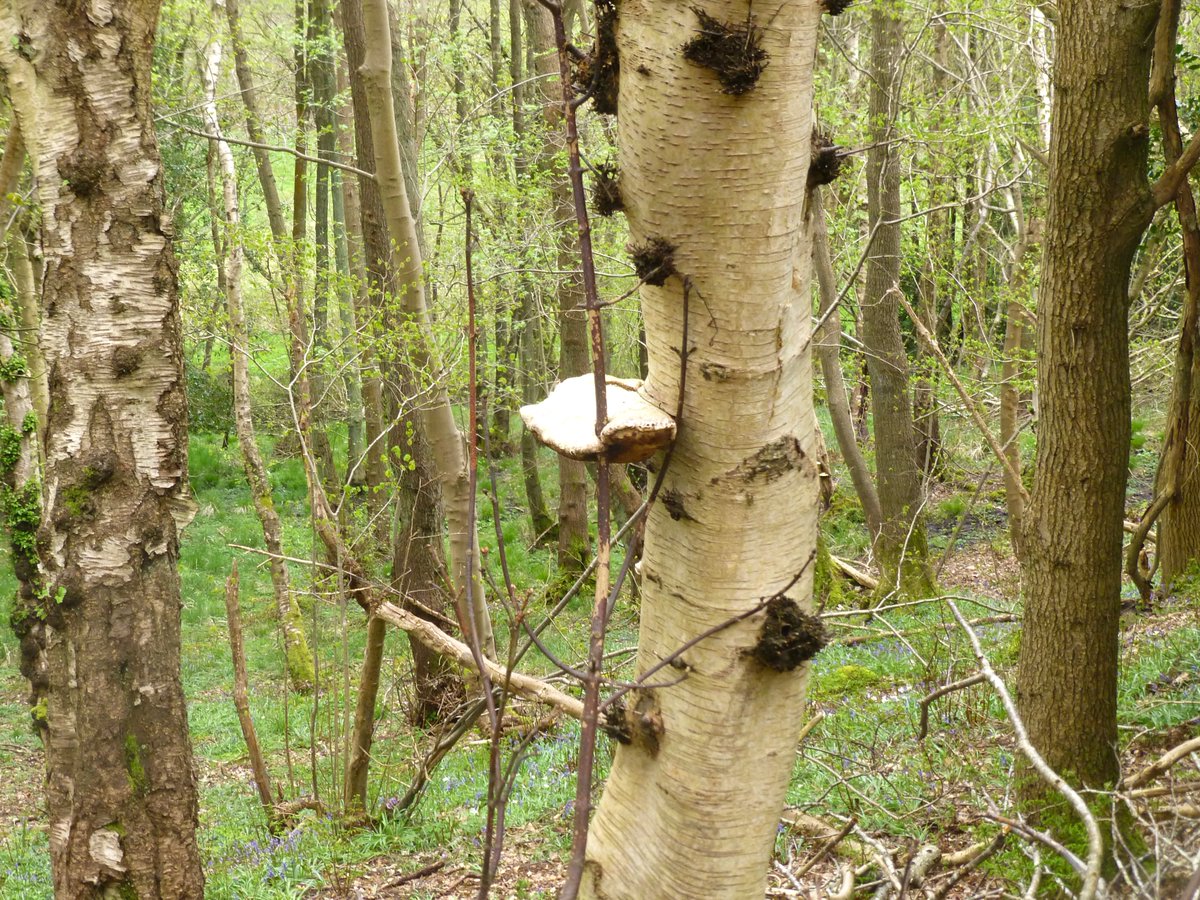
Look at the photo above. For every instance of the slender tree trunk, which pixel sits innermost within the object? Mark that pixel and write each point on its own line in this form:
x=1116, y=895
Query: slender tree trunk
x=446, y=441
x=353, y=296
x=29, y=315
x=305, y=349
x=25, y=284
x=419, y=570
x=939, y=250
x=121, y=792
x=685, y=813
x=20, y=484
x=418, y=560
x=506, y=306
x=359, y=762
x=376, y=253
x=1178, y=479
x=1067, y=674
x=828, y=344
x=323, y=83
x=1012, y=369
x=901, y=549
x=214, y=215
x=299, y=657
x=347, y=288
x=529, y=336
x=574, y=543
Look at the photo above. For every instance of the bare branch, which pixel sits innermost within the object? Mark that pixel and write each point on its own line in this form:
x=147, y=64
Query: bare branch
x=1091, y=873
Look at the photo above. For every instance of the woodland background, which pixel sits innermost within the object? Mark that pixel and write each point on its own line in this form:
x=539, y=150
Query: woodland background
x=958, y=97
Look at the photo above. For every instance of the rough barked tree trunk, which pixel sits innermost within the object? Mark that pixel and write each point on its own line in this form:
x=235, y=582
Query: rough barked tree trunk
x=691, y=807
x=1098, y=200
x=121, y=793
x=901, y=549
x=298, y=656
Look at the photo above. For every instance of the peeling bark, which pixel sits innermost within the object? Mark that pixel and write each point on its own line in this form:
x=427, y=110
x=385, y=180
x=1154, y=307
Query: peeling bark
x=121, y=792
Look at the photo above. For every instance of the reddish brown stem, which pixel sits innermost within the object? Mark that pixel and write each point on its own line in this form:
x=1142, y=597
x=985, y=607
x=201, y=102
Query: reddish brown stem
x=592, y=681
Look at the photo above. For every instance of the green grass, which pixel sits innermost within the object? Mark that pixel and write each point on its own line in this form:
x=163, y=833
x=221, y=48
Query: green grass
x=863, y=759
x=242, y=859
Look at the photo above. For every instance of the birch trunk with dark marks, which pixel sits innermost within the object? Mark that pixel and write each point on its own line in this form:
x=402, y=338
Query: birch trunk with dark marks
x=691, y=807
x=121, y=793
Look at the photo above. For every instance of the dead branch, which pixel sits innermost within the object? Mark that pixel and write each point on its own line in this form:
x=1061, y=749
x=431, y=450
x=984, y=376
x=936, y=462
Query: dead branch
x=827, y=846
x=858, y=576
x=959, y=685
x=1091, y=874
x=1162, y=764
x=241, y=701
x=982, y=852
x=972, y=407
x=440, y=642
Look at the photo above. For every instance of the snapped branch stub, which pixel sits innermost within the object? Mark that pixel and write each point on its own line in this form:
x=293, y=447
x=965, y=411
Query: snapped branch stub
x=566, y=421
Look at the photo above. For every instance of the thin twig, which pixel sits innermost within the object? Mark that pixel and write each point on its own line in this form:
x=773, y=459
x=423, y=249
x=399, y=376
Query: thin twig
x=345, y=167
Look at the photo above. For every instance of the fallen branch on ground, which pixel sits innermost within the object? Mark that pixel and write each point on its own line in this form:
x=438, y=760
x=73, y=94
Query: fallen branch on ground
x=1162, y=764
x=858, y=576
x=443, y=644
x=1091, y=874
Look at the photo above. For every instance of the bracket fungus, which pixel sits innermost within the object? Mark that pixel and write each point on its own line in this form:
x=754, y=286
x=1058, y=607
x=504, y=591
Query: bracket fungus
x=566, y=421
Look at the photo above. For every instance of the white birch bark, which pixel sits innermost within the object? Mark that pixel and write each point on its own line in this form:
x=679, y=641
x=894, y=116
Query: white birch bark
x=723, y=178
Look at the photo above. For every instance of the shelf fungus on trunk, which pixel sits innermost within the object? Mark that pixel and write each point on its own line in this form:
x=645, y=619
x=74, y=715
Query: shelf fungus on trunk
x=566, y=421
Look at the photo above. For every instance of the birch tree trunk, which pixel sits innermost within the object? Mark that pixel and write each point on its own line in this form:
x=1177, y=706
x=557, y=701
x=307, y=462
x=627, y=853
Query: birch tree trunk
x=121, y=793
x=299, y=659
x=691, y=806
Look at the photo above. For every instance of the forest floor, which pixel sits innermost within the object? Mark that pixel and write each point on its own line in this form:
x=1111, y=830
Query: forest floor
x=861, y=762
